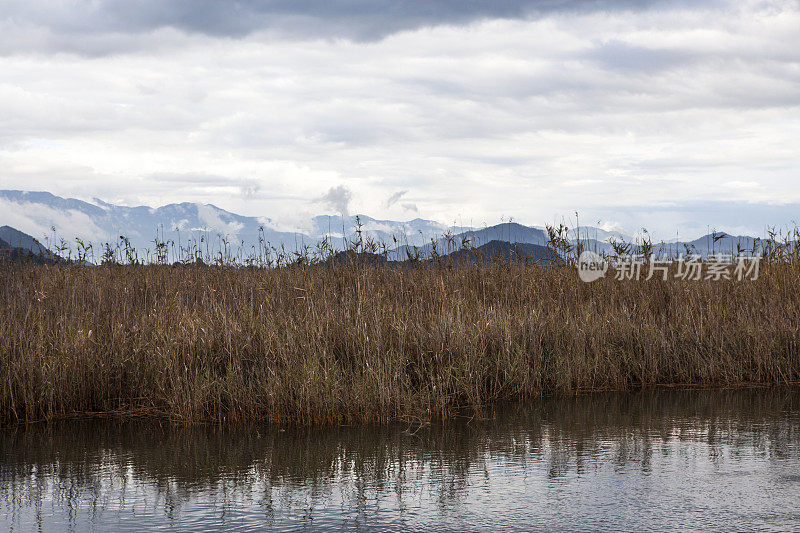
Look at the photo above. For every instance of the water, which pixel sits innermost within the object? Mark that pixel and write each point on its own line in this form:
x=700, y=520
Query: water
x=712, y=460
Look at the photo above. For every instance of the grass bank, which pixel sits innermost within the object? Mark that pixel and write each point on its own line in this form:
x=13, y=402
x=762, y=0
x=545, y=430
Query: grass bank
x=352, y=343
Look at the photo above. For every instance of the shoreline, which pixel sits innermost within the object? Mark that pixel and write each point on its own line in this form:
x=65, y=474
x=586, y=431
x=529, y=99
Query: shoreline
x=152, y=415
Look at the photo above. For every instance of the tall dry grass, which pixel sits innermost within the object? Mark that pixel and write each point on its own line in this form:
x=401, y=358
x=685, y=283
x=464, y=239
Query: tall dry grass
x=349, y=343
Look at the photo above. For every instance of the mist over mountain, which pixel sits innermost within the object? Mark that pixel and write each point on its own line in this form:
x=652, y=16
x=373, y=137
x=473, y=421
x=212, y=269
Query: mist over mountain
x=416, y=232
x=52, y=218
x=58, y=222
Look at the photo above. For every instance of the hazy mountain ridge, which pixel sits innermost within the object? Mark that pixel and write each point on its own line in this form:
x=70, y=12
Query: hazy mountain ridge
x=504, y=251
x=13, y=238
x=37, y=213
x=474, y=238
x=413, y=232
x=16, y=245
x=209, y=228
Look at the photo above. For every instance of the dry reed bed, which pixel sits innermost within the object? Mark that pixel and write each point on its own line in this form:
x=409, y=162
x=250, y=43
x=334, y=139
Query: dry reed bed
x=367, y=343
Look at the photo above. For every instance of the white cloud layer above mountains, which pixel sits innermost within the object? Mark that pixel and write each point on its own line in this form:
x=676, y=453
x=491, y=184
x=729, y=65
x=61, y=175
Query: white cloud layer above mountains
x=625, y=112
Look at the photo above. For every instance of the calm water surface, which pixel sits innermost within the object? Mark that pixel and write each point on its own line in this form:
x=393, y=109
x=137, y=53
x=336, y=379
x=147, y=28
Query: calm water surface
x=713, y=460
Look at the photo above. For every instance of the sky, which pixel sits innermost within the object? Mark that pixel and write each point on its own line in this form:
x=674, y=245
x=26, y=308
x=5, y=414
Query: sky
x=672, y=116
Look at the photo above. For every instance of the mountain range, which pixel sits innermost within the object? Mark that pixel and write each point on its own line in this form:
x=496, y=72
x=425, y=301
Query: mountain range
x=68, y=222
x=52, y=218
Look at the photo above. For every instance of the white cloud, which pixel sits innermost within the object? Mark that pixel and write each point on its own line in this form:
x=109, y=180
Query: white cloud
x=37, y=221
x=395, y=197
x=337, y=198
x=211, y=219
x=594, y=111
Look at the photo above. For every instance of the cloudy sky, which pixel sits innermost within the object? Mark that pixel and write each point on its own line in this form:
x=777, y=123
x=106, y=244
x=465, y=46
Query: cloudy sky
x=675, y=116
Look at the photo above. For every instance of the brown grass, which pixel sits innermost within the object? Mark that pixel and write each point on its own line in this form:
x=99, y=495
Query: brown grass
x=354, y=343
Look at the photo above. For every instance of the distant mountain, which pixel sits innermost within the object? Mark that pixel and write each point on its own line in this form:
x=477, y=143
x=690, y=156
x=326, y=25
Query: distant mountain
x=18, y=246
x=487, y=253
x=508, y=232
x=186, y=224
x=504, y=251
x=474, y=238
x=705, y=246
x=189, y=226
x=192, y=229
x=13, y=238
x=597, y=234
x=393, y=233
x=713, y=244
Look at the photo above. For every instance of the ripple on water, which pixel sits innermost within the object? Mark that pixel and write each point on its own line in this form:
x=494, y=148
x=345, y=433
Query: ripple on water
x=658, y=459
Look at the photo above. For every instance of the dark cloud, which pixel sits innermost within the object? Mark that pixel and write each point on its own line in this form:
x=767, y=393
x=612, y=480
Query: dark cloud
x=337, y=198
x=544, y=114
x=81, y=26
x=395, y=197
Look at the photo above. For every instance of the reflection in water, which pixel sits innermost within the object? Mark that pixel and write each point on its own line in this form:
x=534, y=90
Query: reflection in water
x=682, y=459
